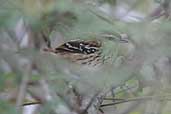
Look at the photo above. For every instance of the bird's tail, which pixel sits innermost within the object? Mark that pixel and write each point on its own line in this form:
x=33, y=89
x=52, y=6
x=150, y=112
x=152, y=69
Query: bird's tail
x=49, y=50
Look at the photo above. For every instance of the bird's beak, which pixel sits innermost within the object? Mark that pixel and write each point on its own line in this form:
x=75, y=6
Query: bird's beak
x=124, y=38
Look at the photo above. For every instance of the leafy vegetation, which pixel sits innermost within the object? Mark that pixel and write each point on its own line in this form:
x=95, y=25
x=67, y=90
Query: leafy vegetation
x=135, y=80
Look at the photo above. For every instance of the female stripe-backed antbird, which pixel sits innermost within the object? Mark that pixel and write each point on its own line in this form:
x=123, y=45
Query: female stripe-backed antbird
x=91, y=61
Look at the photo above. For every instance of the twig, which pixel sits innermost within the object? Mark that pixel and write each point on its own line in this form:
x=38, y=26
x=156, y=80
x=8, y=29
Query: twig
x=23, y=87
x=32, y=103
x=46, y=39
x=132, y=99
x=90, y=103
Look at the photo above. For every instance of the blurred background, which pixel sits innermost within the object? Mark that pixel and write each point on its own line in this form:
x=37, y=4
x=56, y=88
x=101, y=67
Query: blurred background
x=137, y=80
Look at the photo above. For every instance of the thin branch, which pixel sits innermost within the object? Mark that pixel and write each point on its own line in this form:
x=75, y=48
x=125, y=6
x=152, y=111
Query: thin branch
x=23, y=87
x=90, y=103
x=32, y=103
x=46, y=39
x=133, y=99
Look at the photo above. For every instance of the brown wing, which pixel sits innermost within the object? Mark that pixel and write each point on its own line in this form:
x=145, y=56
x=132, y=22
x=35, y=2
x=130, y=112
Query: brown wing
x=79, y=51
x=79, y=46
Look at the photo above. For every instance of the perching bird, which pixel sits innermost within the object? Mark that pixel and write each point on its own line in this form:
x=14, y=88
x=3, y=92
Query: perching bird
x=91, y=61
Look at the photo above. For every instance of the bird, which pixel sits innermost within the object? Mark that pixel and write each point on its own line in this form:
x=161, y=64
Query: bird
x=89, y=61
x=92, y=52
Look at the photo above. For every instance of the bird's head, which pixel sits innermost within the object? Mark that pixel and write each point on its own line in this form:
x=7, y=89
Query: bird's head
x=112, y=45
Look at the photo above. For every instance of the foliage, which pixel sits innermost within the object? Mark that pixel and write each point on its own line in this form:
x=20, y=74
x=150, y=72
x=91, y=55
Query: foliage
x=137, y=72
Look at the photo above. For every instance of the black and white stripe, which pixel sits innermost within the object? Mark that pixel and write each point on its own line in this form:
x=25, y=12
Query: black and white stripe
x=81, y=47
